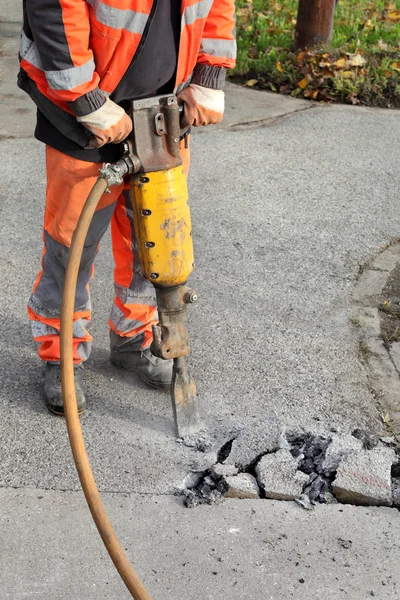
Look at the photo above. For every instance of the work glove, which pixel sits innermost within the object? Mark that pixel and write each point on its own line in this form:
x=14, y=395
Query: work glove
x=109, y=124
x=202, y=105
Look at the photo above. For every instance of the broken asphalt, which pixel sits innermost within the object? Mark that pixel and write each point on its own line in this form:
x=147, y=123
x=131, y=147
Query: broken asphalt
x=288, y=200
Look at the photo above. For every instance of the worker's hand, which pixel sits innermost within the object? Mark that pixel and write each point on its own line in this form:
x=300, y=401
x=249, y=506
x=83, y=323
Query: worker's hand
x=109, y=124
x=203, y=106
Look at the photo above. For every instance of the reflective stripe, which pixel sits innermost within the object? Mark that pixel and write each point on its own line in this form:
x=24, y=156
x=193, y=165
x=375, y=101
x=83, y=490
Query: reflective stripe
x=65, y=79
x=42, y=311
x=41, y=329
x=144, y=293
x=218, y=47
x=28, y=52
x=122, y=324
x=69, y=79
x=198, y=10
x=118, y=18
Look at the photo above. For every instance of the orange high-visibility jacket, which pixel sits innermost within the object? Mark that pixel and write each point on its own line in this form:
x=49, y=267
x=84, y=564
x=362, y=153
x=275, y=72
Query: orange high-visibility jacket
x=79, y=50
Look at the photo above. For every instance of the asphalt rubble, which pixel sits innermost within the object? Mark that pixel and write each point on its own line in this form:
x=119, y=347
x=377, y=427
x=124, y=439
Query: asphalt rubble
x=265, y=460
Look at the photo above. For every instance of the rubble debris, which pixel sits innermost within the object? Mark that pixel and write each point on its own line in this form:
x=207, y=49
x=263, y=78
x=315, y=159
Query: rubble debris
x=220, y=470
x=310, y=451
x=340, y=447
x=368, y=440
x=278, y=476
x=261, y=461
x=243, y=486
x=364, y=478
x=305, y=502
x=200, y=442
x=193, y=499
x=253, y=442
x=203, y=460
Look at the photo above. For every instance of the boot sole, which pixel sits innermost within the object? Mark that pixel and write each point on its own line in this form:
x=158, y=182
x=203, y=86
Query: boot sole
x=156, y=386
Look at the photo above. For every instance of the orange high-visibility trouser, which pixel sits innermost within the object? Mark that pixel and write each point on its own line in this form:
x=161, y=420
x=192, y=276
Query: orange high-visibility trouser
x=134, y=311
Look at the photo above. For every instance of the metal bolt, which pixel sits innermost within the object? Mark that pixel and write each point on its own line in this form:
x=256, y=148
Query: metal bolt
x=144, y=180
x=146, y=213
x=176, y=140
x=191, y=297
x=154, y=275
x=150, y=244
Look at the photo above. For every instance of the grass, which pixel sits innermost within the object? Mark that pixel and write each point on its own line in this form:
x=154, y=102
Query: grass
x=362, y=66
x=364, y=349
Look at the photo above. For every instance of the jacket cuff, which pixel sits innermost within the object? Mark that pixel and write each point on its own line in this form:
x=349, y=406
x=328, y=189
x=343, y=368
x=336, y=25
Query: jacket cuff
x=209, y=76
x=88, y=103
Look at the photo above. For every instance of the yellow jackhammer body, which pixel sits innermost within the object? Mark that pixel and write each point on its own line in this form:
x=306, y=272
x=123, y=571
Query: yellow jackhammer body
x=159, y=196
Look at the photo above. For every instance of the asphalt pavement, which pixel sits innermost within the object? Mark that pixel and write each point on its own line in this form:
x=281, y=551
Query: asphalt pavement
x=288, y=200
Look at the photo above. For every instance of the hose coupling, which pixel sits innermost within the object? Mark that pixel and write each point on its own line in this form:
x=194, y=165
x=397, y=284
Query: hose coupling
x=114, y=173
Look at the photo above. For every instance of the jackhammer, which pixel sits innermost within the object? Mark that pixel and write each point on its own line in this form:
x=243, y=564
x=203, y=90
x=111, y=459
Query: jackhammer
x=163, y=230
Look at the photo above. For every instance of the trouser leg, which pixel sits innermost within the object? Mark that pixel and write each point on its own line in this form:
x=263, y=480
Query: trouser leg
x=135, y=308
x=69, y=182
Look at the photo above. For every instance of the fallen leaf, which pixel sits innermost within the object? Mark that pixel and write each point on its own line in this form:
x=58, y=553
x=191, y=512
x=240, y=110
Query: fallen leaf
x=353, y=98
x=382, y=45
x=303, y=83
x=279, y=66
x=357, y=60
x=250, y=83
x=340, y=63
x=396, y=66
x=394, y=15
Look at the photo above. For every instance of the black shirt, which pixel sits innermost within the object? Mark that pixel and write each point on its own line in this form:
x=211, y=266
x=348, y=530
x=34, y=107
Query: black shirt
x=151, y=72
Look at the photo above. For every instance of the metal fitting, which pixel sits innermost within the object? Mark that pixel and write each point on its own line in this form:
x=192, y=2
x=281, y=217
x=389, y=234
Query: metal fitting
x=114, y=174
x=190, y=297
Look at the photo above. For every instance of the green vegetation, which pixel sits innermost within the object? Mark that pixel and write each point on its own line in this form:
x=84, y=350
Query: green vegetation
x=361, y=67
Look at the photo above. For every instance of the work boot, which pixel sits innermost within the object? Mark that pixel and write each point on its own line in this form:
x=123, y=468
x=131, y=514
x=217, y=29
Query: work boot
x=53, y=392
x=156, y=372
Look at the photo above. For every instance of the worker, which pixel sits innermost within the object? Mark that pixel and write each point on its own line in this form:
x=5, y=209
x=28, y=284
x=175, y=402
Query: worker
x=81, y=60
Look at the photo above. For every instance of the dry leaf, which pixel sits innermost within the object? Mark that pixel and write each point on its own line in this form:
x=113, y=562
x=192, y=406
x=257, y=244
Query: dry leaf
x=394, y=15
x=303, y=83
x=340, y=63
x=396, y=66
x=250, y=83
x=279, y=67
x=357, y=60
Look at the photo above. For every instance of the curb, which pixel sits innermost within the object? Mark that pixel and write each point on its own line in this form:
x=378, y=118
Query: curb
x=382, y=362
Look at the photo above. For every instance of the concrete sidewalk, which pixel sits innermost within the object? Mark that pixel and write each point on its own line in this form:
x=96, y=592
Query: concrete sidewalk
x=242, y=549
x=288, y=200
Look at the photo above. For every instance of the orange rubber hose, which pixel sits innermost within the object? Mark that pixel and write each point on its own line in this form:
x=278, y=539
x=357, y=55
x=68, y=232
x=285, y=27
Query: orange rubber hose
x=114, y=548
